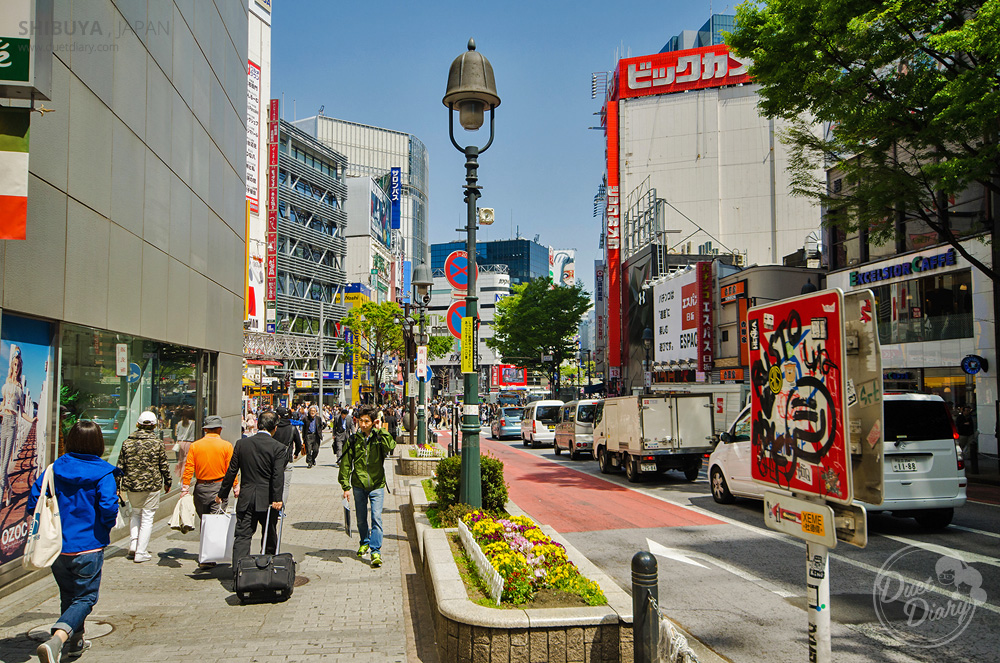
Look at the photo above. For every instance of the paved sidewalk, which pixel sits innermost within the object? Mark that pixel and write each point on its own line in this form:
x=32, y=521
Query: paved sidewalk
x=165, y=611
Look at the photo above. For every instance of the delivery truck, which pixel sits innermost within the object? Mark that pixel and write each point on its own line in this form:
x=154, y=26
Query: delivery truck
x=647, y=435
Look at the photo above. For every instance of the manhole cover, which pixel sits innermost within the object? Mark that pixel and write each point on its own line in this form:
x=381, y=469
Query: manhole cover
x=43, y=632
x=301, y=580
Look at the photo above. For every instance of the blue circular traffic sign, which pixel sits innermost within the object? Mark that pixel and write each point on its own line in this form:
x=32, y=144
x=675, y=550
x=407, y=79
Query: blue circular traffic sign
x=456, y=269
x=455, y=314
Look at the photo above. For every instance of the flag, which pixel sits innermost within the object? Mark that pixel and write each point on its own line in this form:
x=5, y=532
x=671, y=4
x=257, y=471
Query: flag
x=14, y=129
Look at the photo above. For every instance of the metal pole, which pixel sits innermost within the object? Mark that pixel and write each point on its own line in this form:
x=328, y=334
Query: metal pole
x=645, y=620
x=322, y=321
x=421, y=382
x=470, y=488
x=818, y=597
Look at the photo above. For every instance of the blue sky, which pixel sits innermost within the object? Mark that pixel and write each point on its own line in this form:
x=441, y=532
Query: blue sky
x=386, y=64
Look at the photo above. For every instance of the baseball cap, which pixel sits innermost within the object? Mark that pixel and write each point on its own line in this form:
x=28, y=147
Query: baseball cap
x=146, y=418
x=212, y=421
x=282, y=412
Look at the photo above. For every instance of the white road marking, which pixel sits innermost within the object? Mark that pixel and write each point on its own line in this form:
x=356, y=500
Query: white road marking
x=968, y=557
x=689, y=557
x=975, y=531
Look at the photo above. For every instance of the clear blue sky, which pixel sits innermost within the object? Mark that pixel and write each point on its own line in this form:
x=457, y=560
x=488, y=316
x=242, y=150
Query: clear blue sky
x=386, y=64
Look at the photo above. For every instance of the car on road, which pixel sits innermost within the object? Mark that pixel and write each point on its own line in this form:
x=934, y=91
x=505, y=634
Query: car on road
x=538, y=423
x=110, y=419
x=924, y=472
x=575, y=430
x=507, y=423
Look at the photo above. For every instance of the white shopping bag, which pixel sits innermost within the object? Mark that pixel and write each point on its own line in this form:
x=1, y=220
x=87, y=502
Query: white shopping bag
x=44, y=542
x=217, y=532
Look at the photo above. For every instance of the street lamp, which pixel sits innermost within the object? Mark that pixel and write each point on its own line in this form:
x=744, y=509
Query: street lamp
x=647, y=342
x=422, y=282
x=471, y=89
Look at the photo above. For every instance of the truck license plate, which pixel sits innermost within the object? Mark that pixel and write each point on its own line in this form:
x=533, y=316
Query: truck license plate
x=647, y=467
x=904, y=465
x=552, y=427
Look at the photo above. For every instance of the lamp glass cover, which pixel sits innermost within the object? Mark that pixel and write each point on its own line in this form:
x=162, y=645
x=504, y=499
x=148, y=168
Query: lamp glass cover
x=470, y=114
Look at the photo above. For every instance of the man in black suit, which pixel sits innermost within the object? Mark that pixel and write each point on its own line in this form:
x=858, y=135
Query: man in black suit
x=260, y=461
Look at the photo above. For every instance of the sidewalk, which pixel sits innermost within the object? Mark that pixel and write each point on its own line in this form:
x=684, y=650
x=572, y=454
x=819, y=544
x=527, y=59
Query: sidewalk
x=165, y=611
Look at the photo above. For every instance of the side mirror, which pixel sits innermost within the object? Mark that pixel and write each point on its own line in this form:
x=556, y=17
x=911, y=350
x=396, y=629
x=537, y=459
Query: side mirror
x=726, y=438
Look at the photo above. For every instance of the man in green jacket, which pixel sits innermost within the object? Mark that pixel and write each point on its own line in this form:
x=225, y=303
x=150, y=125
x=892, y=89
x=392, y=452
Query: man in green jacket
x=362, y=470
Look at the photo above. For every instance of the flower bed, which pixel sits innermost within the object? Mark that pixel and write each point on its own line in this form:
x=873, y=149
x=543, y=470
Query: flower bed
x=417, y=461
x=524, y=558
x=426, y=451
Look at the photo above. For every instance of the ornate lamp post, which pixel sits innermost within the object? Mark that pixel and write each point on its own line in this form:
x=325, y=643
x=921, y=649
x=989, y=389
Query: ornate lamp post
x=471, y=90
x=422, y=282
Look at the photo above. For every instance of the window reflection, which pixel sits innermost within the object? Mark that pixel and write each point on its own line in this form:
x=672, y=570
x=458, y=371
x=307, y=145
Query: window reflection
x=932, y=308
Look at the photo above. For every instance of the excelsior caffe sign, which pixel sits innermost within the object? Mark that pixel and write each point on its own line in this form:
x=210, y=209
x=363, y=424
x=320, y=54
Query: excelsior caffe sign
x=916, y=266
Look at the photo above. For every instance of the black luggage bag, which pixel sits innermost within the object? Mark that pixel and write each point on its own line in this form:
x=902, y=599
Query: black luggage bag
x=260, y=574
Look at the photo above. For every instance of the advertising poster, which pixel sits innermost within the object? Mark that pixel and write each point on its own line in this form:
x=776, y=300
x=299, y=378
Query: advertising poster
x=380, y=220
x=562, y=266
x=797, y=368
x=26, y=357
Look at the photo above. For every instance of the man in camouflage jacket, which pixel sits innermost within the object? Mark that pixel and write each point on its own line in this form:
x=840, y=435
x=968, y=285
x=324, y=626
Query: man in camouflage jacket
x=144, y=470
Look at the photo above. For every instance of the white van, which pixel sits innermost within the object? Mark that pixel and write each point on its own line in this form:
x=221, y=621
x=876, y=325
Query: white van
x=575, y=430
x=538, y=425
x=924, y=471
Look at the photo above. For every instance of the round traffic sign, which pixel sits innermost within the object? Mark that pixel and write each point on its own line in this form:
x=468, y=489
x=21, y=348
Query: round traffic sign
x=456, y=269
x=455, y=314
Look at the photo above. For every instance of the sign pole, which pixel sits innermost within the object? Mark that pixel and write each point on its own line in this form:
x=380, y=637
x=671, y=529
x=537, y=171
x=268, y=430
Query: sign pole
x=818, y=594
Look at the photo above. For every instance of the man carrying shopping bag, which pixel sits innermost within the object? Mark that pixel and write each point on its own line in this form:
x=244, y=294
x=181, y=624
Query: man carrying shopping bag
x=207, y=461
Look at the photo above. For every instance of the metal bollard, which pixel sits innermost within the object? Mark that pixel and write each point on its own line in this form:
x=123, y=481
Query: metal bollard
x=645, y=620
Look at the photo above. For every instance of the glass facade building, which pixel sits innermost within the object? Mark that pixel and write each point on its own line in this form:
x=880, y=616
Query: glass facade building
x=525, y=259
x=709, y=35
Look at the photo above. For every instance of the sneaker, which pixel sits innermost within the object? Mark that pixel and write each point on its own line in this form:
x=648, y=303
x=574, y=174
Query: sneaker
x=48, y=651
x=376, y=560
x=76, y=648
x=130, y=555
x=363, y=549
x=142, y=557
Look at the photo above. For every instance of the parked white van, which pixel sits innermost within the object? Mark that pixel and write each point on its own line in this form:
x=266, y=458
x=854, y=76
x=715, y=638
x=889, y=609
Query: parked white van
x=538, y=425
x=575, y=430
x=924, y=471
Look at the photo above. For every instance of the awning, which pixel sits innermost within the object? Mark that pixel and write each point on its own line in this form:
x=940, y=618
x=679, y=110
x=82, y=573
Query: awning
x=249, y=383
x=263, y=362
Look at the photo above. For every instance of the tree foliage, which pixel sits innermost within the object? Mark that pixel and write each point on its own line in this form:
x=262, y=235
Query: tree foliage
x=909, y=89
x=439, y=346
x=537, y=319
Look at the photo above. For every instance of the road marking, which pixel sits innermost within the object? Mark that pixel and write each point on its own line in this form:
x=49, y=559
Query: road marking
x=689, y=557
x=968, y=557
x=975, y=531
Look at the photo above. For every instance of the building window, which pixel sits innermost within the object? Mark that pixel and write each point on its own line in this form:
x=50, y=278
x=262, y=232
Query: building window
x=932, y=308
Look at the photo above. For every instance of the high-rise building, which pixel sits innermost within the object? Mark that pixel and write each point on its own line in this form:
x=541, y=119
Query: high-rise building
x=374, y=151
x=370, y=256
x=525, y=259
x=709, y=35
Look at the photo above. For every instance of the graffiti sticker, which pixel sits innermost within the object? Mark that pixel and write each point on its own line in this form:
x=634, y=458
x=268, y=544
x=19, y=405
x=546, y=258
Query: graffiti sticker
x=799, y=397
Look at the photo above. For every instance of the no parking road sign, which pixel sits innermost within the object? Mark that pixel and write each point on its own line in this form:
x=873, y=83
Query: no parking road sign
x=455, y=314
x=456, y=269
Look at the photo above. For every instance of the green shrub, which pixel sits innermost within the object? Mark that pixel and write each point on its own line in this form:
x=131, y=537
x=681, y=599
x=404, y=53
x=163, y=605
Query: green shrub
x=449, y=475
x=450, y=516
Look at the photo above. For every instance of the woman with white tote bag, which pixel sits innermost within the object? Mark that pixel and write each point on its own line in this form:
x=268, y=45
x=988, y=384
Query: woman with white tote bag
x=87, y=496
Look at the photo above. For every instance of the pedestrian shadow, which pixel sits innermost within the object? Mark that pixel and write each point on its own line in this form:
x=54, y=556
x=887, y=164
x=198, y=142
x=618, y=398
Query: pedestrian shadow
x=318, y=525
x=173, y=557
x=332, y=554
x=18, y=648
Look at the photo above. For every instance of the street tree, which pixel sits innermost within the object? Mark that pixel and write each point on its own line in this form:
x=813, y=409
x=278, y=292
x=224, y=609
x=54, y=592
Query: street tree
x=538, y=319
x=910, y=93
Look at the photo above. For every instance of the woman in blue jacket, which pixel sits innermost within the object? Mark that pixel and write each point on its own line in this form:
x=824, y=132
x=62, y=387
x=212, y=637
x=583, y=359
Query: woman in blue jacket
x=88, y=507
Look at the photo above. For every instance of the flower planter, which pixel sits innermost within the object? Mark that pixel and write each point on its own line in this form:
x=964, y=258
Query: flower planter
x=418, y=467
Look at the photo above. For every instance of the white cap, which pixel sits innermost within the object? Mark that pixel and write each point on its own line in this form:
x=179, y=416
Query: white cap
x=146, y=418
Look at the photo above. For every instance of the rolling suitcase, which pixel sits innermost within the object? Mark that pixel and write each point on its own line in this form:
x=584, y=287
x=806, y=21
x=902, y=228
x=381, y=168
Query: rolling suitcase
x=258, y=574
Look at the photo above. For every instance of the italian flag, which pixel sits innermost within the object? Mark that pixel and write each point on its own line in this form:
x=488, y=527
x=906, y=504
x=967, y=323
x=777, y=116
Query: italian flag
x=14, y=130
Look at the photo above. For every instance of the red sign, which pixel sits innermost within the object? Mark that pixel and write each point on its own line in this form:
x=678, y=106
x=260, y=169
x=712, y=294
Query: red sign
x=512, y=376
x=689, y=305
x=706, y=354
x=454, y=317
x=798, y=404
x=730, y=293
x=271, y=275
x=676, y=71
x=731, y=374
x=612, y=242
x=743, y=305
x=456, y=270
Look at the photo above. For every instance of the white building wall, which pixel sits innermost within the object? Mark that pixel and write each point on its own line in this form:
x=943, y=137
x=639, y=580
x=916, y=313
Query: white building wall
x=490, y=287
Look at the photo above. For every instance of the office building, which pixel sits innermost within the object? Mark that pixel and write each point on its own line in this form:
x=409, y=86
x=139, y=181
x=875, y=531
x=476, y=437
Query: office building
x=372, y=246
x=709, y=35
x=525, y=259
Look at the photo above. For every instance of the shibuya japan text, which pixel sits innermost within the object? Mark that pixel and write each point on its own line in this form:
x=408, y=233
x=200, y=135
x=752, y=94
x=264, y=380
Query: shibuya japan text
x=642, y=333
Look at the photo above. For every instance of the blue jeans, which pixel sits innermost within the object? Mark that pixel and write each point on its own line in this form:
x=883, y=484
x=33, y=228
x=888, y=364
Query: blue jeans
x=361, y=499
x=79, y=579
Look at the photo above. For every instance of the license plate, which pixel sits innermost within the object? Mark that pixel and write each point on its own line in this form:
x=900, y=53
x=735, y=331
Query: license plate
x=904, y=465
x=552, y=427
x=647, y=467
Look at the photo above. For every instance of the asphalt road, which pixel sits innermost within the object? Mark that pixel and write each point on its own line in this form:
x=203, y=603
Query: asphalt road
x=740, y=588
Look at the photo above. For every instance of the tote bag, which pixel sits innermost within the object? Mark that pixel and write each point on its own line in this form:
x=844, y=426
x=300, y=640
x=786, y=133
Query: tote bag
x=45, y=536
x=217, y=533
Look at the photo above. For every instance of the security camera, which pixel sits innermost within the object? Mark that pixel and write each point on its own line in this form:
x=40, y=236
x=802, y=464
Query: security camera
x=426, y=299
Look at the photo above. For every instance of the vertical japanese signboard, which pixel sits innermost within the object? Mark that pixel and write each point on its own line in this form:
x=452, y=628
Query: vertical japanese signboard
x=797, y=368
x=612, y=243
x=271, y=266
x=253, y=136
x=395, y=194
x=705, y=331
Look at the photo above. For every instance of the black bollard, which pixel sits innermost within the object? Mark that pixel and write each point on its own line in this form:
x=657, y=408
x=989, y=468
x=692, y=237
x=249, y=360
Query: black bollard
x=645, y=620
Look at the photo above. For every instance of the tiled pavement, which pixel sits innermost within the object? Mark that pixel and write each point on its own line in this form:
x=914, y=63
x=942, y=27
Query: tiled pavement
x=167, y=611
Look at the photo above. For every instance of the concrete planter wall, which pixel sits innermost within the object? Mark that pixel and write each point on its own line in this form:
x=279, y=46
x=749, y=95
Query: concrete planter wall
x=466, y=631
x=417, y=467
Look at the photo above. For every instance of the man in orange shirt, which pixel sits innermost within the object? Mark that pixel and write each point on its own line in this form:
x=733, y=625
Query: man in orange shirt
x=207, y=461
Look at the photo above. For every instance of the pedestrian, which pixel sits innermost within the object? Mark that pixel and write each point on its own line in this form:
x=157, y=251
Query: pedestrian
x=362, y=473
x=184, y=436
x=392, y=422
x=260, y=462
x=313, y=426
x=343, y=428
x=207, y=462
x=86, y=492
x=290, y=437
x=966, y=428
x=142, y=463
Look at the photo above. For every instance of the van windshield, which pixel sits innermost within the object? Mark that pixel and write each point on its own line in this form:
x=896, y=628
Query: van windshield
x=585, y=413
x=547, y=413
x=916, y=420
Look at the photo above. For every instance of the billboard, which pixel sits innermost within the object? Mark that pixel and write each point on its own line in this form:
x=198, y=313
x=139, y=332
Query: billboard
x=395, y=194
x=799, y=404
x=675, y=318
x=562, y=266
x=511, y=376
x=379, y=215
x=677, y=71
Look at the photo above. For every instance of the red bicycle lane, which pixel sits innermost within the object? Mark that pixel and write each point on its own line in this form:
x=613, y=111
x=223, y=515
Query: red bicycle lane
x=573, y=501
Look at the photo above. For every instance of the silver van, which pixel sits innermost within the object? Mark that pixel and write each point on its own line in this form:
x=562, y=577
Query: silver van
x=575, y=430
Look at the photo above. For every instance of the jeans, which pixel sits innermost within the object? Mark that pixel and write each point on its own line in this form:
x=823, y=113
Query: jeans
x=372, y=537
x=144, y=507
x=79, y=579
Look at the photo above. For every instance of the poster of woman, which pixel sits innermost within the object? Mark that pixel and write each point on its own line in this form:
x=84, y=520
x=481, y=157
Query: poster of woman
x=25, y=359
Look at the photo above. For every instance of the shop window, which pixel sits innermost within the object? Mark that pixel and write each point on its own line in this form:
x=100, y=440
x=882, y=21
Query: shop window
x=932, y=308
